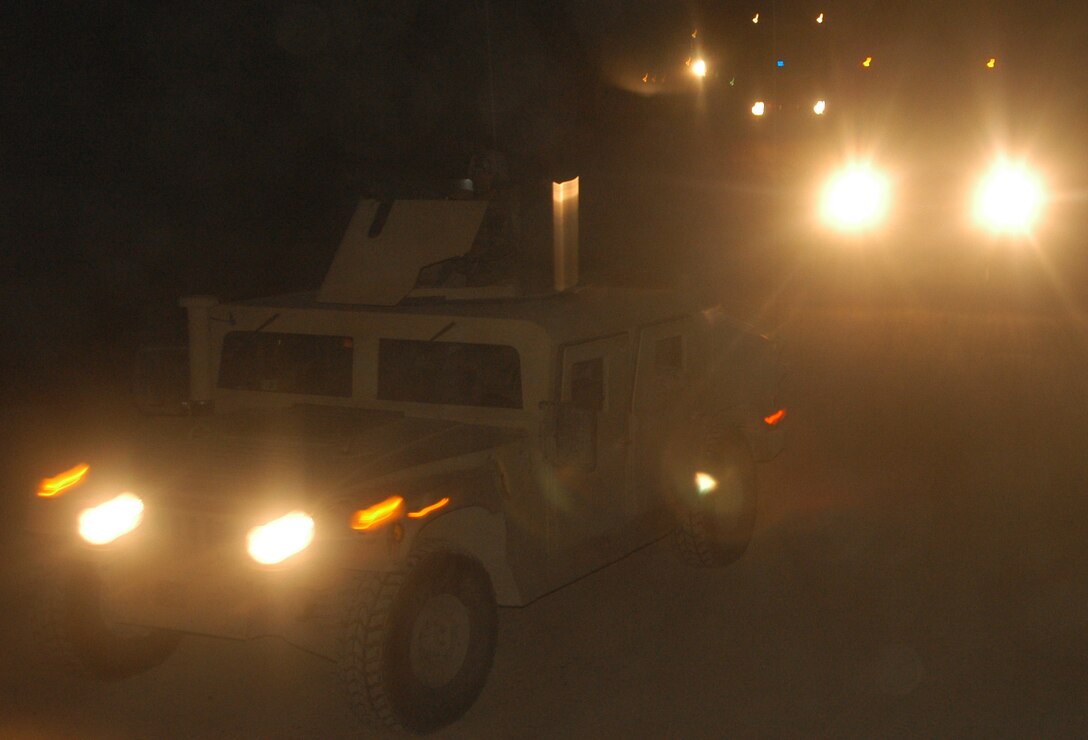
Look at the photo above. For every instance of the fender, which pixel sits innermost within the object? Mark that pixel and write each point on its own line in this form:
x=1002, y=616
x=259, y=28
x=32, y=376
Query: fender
x=482, y=534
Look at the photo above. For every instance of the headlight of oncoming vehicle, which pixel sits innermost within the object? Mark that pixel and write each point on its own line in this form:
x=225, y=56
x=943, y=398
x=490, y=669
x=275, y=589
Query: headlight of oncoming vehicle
x=1008, y=198
x=102, y=524
x=280, y=538
x=855, y=198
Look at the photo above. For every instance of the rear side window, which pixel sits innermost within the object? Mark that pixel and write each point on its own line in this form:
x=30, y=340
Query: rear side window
x=668, y=355
x=587, y=384
x=276, y=362
x=456, y=373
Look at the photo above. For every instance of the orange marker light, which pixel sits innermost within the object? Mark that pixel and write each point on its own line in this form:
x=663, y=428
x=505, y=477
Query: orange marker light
x=868, y=61
x=55, y=486
x=774, y=418
x=755, y=18
x=372, y=516
x=428, y=509
x=991, y=62
x=820, y=18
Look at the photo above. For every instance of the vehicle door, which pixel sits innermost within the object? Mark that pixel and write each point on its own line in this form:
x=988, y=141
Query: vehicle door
x=596, y=379
x=663, y=373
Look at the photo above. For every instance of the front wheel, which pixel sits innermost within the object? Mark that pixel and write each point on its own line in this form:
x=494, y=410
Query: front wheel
x=714, y=494
x=418, y=642
x=76, y=635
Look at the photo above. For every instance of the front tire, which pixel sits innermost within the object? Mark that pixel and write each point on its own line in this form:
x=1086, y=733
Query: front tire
x=76, y=636
x=714, y=527
x=418, y=643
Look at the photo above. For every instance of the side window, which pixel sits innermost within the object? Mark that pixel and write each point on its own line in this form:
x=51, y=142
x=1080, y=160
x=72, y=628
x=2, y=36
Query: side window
x=587, y=384
x=669, y=355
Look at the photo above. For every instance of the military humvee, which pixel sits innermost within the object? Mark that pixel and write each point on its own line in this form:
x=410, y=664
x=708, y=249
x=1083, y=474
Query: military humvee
x=370, y=470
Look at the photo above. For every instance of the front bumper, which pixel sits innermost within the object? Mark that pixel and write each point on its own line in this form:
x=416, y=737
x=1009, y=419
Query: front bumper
x=219, y=599
x=189, y=571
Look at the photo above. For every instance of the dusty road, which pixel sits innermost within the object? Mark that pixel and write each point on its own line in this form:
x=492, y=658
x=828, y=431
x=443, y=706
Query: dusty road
x=920, y=568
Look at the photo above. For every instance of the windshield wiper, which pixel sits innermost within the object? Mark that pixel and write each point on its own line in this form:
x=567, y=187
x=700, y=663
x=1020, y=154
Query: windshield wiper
x=267, y=321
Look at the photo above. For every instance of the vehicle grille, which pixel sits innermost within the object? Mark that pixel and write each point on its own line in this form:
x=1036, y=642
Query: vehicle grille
x=196, y=531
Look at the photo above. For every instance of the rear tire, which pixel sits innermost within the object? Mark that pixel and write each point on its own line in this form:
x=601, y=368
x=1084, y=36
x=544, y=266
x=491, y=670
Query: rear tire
x=713, y=528
x=76, y=637
x=418, y=643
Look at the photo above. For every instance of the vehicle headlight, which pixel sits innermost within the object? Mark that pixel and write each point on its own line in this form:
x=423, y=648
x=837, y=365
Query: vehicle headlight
x=819, y=107
x=281, y=538
x=1009, y=198
x=102, y=524
x=855, y=198
x=758, y=108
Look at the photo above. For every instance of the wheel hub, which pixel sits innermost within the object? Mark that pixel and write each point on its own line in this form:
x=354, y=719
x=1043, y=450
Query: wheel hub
x=440, y=639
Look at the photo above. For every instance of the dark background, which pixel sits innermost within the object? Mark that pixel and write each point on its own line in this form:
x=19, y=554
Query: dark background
x=150, y=152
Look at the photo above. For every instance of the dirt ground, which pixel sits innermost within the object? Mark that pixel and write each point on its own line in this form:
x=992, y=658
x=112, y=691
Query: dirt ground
x=919, y=569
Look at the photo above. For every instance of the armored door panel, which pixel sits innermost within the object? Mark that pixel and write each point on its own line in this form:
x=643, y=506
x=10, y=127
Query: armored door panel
x=596, y=380
x=662, y=382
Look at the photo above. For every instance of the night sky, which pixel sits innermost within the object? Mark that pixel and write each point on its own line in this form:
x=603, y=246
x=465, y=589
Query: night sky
x=153, y=151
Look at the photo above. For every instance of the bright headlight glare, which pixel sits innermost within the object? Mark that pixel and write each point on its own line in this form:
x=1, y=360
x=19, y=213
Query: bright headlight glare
x=758, y=108
x=855, y=198
x=1009, y=198
x=102, y=524
x=819, y=107
x=281, y=538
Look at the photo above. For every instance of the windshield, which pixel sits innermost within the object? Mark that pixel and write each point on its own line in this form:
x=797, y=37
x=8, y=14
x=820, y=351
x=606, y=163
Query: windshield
x=457, y=373
x=277, y=362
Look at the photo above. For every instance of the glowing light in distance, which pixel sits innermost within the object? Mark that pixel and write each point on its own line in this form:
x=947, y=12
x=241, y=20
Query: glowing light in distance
x=774, y=418
x=820, y=107
x=755, y=18
x=855, y=198
x=991, y=62
x=428, y=509
x=102, y=524
x=867, y=61
x=698, y=68
x=705, y=483
x=820, y=18
x=780, y=63
x=758, y=108
x=58, y=484
x=372, y=516
x=281, y=538
x=1009, y=198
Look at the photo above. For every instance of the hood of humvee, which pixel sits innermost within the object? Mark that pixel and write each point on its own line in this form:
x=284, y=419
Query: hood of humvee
x=303, y=451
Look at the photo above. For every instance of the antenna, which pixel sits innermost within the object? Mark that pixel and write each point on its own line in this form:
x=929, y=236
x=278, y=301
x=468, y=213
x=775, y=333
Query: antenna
x=490, y=72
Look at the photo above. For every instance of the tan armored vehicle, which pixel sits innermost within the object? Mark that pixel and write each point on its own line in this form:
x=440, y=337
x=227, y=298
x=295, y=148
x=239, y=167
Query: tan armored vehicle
x=370, y=470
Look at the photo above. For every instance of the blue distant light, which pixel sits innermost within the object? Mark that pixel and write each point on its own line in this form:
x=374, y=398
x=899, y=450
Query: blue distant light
x=781, y=63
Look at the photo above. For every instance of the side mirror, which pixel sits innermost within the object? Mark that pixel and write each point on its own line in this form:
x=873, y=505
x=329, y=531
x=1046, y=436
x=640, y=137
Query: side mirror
x=569, y=435
x=160, y=381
